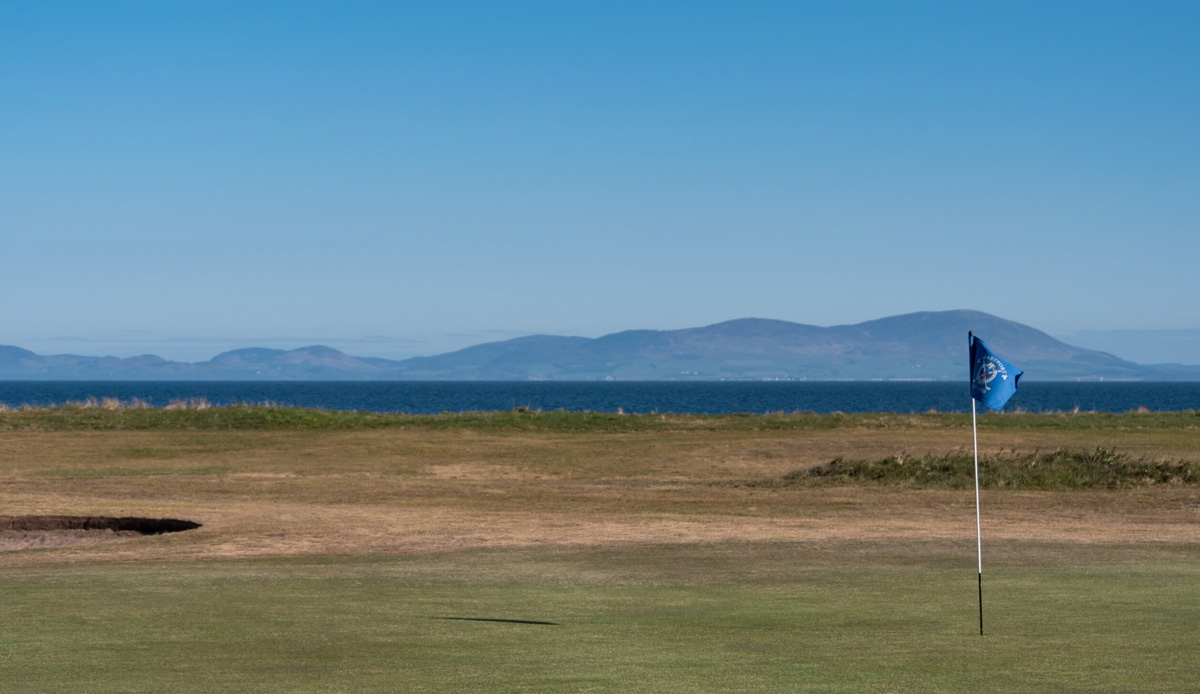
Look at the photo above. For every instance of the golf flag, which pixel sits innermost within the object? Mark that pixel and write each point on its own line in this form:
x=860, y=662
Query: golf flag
x=993, y=380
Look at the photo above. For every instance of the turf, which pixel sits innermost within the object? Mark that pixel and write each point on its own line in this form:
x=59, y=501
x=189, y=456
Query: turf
x=769, y=618
x=549, y=552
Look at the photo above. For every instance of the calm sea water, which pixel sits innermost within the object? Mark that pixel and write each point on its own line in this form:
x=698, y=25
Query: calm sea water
x=633, y=397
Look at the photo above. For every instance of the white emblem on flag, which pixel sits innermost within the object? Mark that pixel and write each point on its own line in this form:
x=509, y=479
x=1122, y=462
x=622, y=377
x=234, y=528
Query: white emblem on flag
x=989, y=369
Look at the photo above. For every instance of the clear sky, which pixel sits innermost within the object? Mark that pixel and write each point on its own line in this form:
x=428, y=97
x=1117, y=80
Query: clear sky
x=404, y=178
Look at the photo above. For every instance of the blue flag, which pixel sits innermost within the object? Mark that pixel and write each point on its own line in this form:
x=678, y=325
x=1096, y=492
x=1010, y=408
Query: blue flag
x=993, y=380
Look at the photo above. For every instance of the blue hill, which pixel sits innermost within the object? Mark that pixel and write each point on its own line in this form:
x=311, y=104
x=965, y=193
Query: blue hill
x=926, y=345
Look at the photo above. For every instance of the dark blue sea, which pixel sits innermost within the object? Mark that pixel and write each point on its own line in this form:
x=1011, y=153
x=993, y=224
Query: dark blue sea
x=419, y=397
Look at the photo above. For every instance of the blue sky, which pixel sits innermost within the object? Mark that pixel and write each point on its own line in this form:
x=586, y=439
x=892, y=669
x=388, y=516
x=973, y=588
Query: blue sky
x=405, y=178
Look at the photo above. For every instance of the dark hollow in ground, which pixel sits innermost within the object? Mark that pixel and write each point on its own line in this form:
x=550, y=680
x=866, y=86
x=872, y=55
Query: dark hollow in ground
x=142, y=526
x=35, y=532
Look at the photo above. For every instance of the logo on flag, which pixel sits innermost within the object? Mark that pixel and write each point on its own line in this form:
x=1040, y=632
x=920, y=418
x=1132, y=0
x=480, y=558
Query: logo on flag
x=993, y=380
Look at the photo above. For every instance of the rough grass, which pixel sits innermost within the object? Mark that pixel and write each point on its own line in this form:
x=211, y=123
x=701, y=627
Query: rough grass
x=136, y=416
x=1059, y=470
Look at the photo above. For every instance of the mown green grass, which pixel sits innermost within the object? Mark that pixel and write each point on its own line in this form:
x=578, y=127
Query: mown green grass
x=705, y=618
x=268, y=417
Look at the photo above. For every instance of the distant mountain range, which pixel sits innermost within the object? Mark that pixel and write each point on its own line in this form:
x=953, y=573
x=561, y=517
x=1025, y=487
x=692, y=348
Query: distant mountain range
x=924, y=346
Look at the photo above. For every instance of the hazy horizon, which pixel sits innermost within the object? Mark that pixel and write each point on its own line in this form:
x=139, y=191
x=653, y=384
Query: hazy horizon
x=404, y=179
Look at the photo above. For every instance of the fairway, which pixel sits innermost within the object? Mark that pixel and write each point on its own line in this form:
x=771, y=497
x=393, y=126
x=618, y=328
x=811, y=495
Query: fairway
x=550, y=552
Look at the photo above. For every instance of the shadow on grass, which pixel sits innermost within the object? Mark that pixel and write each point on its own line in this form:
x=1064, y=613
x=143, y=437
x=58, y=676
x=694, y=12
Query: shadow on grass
x=492, y=619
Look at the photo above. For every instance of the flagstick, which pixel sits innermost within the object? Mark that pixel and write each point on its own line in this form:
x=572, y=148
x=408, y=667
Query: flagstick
x=978, y=525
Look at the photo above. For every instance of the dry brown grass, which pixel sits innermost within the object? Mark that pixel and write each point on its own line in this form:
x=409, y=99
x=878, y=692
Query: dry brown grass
x=413, y=490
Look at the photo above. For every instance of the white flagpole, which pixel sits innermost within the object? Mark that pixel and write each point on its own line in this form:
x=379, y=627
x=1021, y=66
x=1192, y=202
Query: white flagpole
x=978, y=524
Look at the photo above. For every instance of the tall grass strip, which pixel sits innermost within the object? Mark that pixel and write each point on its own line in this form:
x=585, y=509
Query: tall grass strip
x=1054, y=471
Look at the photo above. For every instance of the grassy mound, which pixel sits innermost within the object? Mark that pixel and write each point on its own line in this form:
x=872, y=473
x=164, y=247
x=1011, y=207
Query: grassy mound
x=1057, y=470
